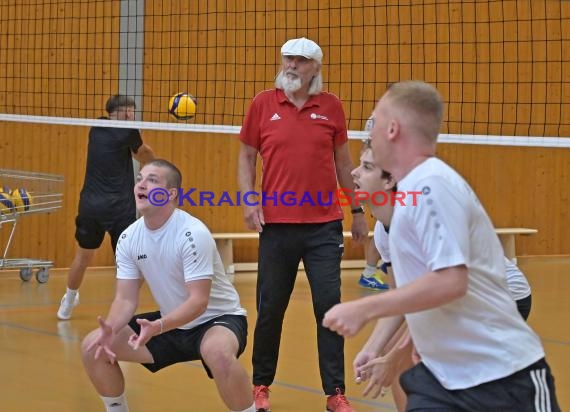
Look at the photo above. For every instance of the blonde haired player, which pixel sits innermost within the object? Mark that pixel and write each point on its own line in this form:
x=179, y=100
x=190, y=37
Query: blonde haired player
x=477, y=352
x=387, y=353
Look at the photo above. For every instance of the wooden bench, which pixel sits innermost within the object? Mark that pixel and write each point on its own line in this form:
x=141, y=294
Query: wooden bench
x=507, y=237
x=224, y=242
x=225, y=245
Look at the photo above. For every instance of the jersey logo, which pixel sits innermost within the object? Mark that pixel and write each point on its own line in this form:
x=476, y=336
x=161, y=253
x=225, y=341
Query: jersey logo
x=275, y=117
x=318, y=116
x=139, y=257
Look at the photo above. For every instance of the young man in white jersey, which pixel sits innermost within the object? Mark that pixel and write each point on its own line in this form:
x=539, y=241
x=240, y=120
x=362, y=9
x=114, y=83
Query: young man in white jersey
x=388, y=351
x=387, y=354
x=477, y=352
x=199, y=314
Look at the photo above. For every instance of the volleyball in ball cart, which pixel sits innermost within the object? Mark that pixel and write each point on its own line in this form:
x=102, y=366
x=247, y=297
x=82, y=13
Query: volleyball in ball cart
x=182, y=106
x=6, y=201
x=22, y=200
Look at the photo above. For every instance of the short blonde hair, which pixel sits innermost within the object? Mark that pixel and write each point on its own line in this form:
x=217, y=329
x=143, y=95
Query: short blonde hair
x=423, y=100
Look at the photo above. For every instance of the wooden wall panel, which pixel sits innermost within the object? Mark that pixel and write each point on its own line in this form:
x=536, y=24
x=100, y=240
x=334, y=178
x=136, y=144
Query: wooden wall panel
x=495, y=80
x=518, y=186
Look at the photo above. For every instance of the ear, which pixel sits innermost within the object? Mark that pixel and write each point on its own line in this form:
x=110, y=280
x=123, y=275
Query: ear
x=393, y=129
x=390, y=184
x=173, y=192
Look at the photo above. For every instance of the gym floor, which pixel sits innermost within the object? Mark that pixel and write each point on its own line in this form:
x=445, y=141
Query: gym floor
x=42, y=370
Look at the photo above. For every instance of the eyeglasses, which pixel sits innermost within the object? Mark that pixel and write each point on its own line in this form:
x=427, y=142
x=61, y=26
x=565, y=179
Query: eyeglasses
x=369, y=124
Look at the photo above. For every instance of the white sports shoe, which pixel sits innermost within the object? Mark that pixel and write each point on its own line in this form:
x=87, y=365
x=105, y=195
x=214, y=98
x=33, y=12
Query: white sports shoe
x=64, y=312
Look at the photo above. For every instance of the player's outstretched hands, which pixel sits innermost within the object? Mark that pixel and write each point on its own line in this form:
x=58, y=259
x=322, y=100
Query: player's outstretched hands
x=102, y=344
x=346, y=319
x=380, y=373
x=361, y=359
x=148, y=330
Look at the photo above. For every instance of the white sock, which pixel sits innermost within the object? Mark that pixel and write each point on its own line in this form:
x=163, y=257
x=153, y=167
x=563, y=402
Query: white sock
x=118, y=404
x=70, y=296
x=369, y=270
x=250, y=409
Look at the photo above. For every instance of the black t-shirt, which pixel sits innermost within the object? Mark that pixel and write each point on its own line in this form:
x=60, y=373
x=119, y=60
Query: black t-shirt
x=109, y=180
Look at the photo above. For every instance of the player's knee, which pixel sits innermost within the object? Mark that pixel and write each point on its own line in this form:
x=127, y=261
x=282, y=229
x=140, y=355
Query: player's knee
x=218, y=359
x=87, y=342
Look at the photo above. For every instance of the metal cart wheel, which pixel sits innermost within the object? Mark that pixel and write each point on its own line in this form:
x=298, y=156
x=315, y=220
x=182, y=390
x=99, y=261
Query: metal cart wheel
x=26, y=274
x=42, y=275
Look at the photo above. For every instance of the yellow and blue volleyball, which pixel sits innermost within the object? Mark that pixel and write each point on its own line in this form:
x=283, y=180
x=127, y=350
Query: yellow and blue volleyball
x=182, y=106
x=21, y=199
x=6, y=203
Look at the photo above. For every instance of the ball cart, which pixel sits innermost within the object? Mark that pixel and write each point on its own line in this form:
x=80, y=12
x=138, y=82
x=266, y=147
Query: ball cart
x=25, y=193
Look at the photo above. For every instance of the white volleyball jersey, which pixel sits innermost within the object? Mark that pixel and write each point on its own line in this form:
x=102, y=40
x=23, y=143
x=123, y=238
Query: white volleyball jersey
x=181, y=251
x=480, y=337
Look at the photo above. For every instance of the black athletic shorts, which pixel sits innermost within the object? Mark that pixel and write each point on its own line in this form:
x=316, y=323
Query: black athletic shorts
x=530, y=389
x=524, y=305
x=90, y=231
x=183, y=345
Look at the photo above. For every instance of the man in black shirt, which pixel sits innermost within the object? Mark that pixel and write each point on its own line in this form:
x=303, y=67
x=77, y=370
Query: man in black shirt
x=106, y=202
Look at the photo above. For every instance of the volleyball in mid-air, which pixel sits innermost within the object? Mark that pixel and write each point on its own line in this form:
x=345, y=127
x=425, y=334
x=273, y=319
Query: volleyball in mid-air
x=182, y=106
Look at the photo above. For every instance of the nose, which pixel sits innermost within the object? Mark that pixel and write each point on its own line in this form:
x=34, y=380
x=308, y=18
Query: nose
x=354, y=172
x=291, y=63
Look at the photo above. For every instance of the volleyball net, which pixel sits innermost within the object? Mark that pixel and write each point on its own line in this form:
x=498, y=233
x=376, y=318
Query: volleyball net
x=503, y=67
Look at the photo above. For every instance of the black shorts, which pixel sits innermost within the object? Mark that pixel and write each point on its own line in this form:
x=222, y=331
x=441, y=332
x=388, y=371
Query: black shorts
x=90, y=230
x=530, y=389
x=524, y=305
x=183, y=345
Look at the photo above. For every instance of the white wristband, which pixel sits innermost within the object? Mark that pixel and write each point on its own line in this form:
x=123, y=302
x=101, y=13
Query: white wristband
x=161, y=325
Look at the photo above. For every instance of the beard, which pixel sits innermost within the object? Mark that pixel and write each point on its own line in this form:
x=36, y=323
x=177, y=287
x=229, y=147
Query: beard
x=291, y=85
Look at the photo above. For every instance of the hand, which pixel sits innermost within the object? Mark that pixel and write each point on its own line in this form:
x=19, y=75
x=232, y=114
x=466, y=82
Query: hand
x=362, y=358
x=148, y=330
x=346, y=319
x=380, y=372
x=383, y=371
x=253, y=217
x=359, y=228
x=103, y=341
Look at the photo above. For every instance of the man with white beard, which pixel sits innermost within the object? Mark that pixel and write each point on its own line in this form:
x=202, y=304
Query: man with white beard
x=300, y=133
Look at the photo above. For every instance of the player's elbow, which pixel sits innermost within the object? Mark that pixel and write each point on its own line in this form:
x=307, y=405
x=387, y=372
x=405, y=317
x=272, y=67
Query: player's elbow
x=201, y=305
x=459, y=291
x=453, y=283
x=144, y=154
x=459, y=281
